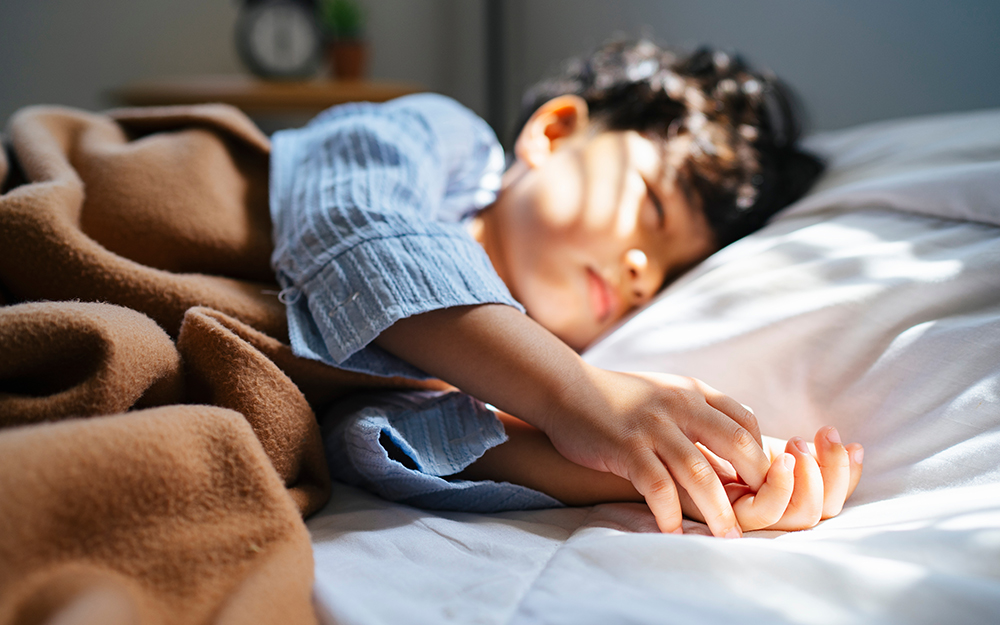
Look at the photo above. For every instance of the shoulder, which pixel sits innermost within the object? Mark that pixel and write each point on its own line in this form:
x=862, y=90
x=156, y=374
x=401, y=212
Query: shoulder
x=430, y=104
x=429, y=119
x=431, y=109
x=448, y=121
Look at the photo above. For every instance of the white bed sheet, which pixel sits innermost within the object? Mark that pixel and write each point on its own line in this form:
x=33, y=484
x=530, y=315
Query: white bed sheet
x=873, y=305
x=924, y=558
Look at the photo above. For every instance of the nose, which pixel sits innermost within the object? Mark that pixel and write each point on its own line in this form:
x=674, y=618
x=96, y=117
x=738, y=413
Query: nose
x=638, y=277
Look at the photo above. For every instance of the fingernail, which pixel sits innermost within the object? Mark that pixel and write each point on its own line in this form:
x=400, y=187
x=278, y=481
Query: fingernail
x=800, y=444
x=733, y=533
x=679, y=530
x=858, y=455
x=749, y=409
x=833, y=436
x=789, y=461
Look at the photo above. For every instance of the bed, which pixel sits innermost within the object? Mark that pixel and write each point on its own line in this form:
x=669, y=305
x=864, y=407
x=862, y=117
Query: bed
x=159, y=448
x=872, y=304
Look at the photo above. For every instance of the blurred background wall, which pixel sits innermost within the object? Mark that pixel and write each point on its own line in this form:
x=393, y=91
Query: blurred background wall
x=852, y=61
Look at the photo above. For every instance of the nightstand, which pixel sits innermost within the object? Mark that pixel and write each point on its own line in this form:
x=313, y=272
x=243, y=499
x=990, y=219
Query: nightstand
x=272, y=104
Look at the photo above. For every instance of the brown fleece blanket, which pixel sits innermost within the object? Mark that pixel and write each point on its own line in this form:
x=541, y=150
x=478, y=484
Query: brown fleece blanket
x=158, y=440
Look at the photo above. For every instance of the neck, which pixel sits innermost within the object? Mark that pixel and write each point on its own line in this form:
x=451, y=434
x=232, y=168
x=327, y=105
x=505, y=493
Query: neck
x=487, y=230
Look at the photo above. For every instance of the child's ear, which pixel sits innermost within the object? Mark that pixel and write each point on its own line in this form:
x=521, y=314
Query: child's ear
x=555, y=120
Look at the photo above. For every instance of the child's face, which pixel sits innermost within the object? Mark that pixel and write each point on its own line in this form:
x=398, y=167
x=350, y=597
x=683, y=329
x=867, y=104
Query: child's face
x=592, y=230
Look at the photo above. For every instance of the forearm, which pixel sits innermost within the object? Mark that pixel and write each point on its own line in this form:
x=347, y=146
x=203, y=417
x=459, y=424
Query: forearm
x=492, y=352
x=529, y=459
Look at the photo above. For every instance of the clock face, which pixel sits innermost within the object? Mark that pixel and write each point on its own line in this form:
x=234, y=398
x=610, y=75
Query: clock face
x=279, y=38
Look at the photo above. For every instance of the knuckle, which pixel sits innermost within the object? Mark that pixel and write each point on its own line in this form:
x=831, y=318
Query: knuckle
x=696, y=384
x=684, y=389
x=702, y=475
x=660, y=488
x=743, y=440
x=689, y=383
x=683, y=405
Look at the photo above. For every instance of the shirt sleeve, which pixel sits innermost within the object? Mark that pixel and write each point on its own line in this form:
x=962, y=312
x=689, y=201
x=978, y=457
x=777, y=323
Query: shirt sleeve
x=438, y=433
x=367, y=204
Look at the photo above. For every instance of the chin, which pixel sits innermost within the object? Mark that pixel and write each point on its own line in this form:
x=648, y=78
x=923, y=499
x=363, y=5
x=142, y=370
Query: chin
x=567, y=336
x=578, y=340
x=571, y=331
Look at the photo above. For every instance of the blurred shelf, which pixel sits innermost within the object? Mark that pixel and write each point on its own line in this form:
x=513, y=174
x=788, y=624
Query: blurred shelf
x=255, y=95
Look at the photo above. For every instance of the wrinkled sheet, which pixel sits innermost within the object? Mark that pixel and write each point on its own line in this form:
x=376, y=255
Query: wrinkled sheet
x=873, y=305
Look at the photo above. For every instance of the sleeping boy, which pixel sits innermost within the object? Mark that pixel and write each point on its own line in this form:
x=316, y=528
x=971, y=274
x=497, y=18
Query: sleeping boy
x=404, y=247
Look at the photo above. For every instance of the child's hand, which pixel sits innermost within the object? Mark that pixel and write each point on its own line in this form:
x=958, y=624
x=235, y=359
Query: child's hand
x=643, y=427
x=803, y=485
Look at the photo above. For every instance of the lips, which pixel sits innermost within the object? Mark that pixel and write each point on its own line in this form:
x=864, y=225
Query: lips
x=601, y=297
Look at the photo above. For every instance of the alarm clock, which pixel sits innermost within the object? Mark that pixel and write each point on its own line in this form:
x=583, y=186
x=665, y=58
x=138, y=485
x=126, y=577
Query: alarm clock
x=279, y=38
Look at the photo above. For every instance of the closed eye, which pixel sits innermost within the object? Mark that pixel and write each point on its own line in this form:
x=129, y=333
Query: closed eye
x=661, y=215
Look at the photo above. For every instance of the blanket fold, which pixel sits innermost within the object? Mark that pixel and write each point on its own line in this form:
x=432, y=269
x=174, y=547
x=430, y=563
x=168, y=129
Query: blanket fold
x=72, y=359
x=224, y=370
x=158, y=223
x=173, y=508
x=158, y=442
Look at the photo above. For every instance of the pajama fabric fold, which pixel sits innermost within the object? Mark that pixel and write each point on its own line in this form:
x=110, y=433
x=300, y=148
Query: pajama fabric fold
x=439, y=433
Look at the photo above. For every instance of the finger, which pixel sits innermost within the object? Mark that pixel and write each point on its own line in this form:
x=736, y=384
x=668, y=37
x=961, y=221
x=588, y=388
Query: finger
x=735, y=492
x=736, y=411
x=857, y=454
x=688, y=506
x=729, y=440
x=805, y=508
x=835, y=466
x=723, y=468
x=694, y=473
x=654, y=483
x=768, y=505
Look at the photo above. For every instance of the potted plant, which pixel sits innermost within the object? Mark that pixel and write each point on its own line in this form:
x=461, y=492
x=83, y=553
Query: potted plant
x=343, y=22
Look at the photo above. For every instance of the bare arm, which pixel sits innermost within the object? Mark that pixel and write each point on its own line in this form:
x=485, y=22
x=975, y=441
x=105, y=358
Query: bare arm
x=639, y=427
x=528, y=458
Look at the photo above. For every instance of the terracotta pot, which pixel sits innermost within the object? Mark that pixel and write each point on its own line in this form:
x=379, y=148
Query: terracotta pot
x=347, y=59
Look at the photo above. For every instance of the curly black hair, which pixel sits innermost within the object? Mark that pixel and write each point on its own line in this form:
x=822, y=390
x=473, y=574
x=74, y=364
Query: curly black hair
x=741, y=126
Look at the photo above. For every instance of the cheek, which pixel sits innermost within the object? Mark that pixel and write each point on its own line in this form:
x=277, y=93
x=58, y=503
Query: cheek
x=559, y=207
x=559, y=195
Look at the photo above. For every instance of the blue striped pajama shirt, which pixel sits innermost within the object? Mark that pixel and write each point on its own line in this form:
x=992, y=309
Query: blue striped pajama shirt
x=370, y=204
